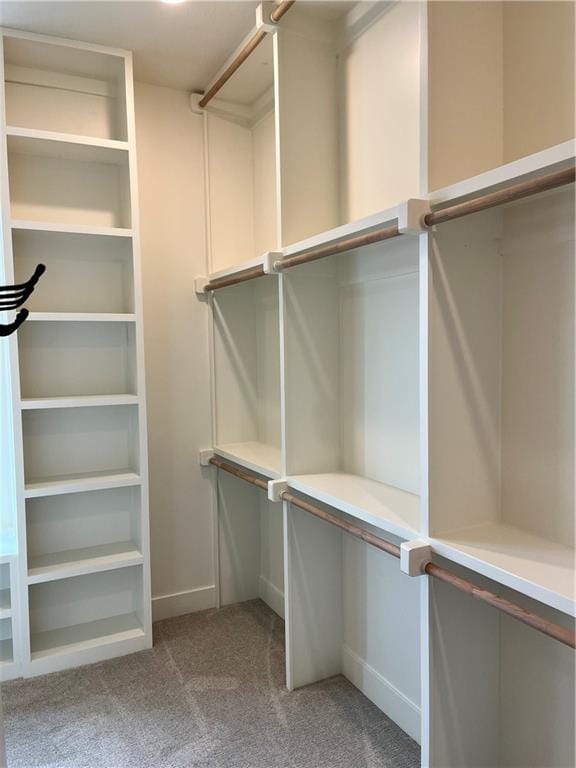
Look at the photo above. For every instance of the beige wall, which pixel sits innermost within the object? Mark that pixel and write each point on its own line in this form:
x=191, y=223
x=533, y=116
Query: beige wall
x=169, y=144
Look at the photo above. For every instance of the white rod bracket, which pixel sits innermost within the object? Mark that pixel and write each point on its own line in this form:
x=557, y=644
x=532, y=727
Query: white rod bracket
x=276, y=488
x=200, y=284
x=413, y=555
x=204, y=455
x=263, y=20
x=268, y=261
x=411, y=217
x=194, y=105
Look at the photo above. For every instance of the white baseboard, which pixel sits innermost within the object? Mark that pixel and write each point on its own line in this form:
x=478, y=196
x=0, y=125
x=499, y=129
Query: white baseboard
x=272, y=596
x=386, y=696
x=181, y=603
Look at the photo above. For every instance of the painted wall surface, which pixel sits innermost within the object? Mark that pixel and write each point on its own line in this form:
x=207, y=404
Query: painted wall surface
x=169, y=145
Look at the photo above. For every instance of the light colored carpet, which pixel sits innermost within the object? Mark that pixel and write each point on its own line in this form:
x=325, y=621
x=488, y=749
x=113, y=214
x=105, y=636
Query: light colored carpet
x=210, y=693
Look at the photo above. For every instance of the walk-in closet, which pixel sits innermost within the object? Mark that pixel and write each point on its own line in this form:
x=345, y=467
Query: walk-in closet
x=287, y=392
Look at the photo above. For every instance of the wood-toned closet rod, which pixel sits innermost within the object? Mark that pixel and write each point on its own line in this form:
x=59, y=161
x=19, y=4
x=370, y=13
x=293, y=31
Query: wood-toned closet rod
x=507, y=195
x=555, y=631
x=238, y=277
x=244, y=53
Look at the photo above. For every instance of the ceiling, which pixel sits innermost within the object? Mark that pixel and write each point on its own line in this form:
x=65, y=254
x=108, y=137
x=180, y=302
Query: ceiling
x=180, y=46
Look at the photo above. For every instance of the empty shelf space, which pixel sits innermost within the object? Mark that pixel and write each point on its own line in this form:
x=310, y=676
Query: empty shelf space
x=5, y=604
x=537, y=567
x=6, y=651
x=71, y=229
x=30, y=141
x=258, y=457
x=378, y=504
x=91, y=401
x=74, y=562
x=81, y=482
x=8, y=544
x=81, y=317
x=86, y=635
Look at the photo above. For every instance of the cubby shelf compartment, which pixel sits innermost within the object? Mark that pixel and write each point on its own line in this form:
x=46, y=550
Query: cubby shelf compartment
x=532, y=565
x=72, y=229
x=91, y=401
x=82, y=637
x=383, y=506
x=84, y=612
x=258, y=457
x=27, y=141
x=5, y=604
x=79, y=483
x=76, y=562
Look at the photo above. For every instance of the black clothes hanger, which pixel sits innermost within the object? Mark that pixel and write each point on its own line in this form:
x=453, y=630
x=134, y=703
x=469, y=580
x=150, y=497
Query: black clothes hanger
x=13, y=296
x=6, y=330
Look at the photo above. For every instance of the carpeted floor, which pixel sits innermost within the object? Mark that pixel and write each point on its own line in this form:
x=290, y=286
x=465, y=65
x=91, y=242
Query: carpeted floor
x=210, y=693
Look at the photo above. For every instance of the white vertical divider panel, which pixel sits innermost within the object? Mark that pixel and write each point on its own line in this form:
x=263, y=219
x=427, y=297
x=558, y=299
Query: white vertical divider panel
x=313, y=584
x=142, y=439
x=14, y=439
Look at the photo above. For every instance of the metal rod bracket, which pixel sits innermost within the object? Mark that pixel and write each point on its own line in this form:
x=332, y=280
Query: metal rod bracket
x=276, y=488
x=204, y=455
x=195, y=104
x=411, y=216
x=413, y=555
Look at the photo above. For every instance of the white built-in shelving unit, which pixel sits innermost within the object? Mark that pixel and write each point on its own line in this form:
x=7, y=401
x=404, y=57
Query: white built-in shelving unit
x=422, y=386
x=76, y=585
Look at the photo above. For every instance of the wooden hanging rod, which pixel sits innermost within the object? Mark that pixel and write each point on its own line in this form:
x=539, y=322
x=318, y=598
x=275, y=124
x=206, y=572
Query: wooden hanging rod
x=549, y=628
x=509, y=194
x=280, y=10
x=340, y=246
x=240, y=473
x=239, y=277
x=241, y=56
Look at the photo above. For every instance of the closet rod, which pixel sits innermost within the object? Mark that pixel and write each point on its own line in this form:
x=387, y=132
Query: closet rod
x=555, y=631
x=244, y=53
x=340, y=246
x=237, y=472
x=509, y=194
x=239, y=277
x=549, y=628
x=280, y=10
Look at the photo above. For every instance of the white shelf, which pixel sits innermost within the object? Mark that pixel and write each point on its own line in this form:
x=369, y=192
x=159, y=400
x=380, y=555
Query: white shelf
x=5, y=604
x=522, y=561
x=258, y=457
x=383, y=506
x=530, y=167
x=80, y=317
x=76, y=562
x=70, y=229
x=359, y=227
x=80, y=483
x=66, y=146
x=86, y=636
x=85, y=401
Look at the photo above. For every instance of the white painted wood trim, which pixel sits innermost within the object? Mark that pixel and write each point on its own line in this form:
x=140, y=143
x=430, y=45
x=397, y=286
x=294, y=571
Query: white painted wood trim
x=182, y=603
